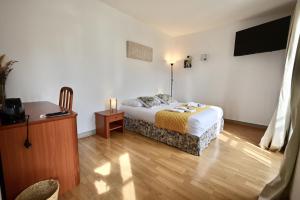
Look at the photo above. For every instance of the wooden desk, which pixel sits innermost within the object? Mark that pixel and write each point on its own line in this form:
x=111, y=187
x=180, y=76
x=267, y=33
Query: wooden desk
x=53, y=154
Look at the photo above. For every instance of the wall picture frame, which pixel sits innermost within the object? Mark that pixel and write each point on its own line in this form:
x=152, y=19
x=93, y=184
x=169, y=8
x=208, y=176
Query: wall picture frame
x=138, y=51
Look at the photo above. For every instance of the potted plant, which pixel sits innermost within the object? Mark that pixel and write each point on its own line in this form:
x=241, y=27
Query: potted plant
x=5, y=69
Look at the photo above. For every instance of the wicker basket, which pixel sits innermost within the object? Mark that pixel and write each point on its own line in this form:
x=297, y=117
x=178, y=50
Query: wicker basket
x=42, y=190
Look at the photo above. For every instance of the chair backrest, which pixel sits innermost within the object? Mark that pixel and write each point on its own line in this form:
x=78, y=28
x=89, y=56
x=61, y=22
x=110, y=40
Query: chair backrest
x=66, y=98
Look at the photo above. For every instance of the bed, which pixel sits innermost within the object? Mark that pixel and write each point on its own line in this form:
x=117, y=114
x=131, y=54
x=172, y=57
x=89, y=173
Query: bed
x=202, y=127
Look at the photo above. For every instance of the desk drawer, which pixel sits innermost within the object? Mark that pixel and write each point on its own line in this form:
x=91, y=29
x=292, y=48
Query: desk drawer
x=115, y=117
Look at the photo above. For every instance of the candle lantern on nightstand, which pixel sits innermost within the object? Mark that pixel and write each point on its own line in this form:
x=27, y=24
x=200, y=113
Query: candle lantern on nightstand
x=113, y=105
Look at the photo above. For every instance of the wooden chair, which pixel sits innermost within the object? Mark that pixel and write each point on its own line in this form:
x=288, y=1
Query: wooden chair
x=66, y=98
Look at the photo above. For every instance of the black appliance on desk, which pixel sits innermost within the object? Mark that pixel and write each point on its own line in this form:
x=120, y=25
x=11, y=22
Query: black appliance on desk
x=13, y=111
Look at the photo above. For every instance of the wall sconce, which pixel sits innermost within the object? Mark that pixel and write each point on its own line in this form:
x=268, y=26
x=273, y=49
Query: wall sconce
x=113, y=104
x=203, y=57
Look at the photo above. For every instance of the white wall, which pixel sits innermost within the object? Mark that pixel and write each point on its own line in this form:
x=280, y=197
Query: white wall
x=246, y=87
x=82, y=44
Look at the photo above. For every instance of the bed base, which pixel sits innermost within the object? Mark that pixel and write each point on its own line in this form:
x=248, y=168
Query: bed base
x=186, y=142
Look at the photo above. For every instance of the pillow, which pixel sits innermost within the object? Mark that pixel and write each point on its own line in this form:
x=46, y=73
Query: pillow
x=132, y=102
x=149, y=102
x=165, y=98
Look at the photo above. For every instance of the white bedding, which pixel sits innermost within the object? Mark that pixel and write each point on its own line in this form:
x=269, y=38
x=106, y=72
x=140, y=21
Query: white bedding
x=197, y=123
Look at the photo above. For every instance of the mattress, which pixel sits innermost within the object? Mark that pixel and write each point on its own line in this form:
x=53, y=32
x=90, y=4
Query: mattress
x=197, y=123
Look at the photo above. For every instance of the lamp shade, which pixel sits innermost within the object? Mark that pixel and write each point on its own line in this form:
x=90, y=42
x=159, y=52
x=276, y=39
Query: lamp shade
x=171, y=62
x=171, y=59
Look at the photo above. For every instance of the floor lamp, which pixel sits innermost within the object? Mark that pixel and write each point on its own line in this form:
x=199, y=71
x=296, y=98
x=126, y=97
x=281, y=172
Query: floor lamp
x=172, y=79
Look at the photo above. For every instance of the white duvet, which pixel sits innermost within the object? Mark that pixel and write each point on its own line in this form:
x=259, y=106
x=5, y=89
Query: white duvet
x=197, y=123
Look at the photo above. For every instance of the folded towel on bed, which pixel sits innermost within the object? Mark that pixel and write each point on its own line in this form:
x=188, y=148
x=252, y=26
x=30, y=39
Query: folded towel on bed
x=193, y=104
x=175, y=110
x=181, y=110
x=186, y=109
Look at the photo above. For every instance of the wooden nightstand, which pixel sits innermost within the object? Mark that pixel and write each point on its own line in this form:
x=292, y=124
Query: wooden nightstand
x=107, y=121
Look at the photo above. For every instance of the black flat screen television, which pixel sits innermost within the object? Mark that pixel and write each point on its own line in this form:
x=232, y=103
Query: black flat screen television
x=270, y=36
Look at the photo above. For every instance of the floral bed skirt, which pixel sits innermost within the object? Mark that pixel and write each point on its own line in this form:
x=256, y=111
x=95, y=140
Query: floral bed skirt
x=186, y=142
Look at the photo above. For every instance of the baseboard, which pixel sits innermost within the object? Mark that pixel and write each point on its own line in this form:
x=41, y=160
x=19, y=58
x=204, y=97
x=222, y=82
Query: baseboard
x=246, y=124
x=86, y=134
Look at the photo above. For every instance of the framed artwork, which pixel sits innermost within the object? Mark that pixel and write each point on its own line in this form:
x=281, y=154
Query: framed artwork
x=138, y=51
x=188, y=62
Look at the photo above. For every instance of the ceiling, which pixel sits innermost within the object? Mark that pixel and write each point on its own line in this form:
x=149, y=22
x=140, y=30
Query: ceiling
x=180, y=17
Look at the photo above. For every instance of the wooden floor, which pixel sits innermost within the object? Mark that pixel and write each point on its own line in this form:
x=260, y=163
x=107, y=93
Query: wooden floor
x=130, y=166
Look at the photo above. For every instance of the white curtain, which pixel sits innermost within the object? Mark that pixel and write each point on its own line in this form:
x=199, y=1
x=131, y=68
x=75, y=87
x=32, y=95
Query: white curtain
x=275, y=134
x=281, y=186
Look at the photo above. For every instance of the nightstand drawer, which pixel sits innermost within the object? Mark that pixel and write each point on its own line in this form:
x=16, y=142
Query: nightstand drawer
x=115, y=117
